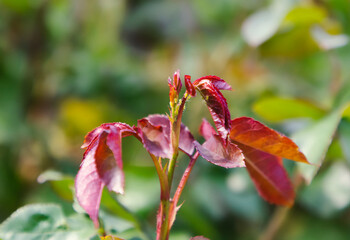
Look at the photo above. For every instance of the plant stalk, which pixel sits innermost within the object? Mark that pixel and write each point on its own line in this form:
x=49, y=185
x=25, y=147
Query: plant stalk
x=164, y=214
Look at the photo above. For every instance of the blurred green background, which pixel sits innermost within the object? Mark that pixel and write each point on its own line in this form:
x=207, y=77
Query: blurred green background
x=66, y=66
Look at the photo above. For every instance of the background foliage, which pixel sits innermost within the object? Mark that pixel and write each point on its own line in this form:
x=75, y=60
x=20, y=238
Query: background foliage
x=68, y=66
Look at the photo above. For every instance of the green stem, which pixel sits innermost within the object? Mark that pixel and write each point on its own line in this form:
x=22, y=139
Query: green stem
x=163, y=219
x=175, y=136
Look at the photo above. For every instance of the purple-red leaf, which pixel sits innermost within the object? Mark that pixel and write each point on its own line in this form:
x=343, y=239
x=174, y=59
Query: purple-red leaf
x=88, y=185
x=252, y=133
x=216, y=151
x=102, y=165
x=209, y=87
x=221, y=84
x=206, y=130
x=189, y=86
x=269, y=176
x=156, y=136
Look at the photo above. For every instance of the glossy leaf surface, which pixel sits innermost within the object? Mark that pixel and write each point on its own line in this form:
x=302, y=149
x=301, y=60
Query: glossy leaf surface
x=209, y=87
x=254, y=134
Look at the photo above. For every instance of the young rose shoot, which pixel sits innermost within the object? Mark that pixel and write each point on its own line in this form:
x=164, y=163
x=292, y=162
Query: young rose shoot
x=240, y=142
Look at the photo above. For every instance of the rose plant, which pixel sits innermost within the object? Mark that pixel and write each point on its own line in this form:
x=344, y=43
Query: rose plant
x=240, y=142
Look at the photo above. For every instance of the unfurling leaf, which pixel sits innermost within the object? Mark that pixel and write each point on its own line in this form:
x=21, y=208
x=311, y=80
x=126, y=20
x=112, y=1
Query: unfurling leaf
x=101, y=166
x=155, y=133
x=254, y=134
x=189, y=86
x=175, y=86
x=209, y=87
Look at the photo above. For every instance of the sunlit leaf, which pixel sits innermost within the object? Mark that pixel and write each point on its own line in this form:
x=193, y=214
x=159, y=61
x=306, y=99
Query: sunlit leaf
x=269, y=176
x=216, y=151
x=88, y=185
x=101, y=166
x=254, y=134
x=276, y=109
x=189, y=86
x=314, y=142
x=209, y=87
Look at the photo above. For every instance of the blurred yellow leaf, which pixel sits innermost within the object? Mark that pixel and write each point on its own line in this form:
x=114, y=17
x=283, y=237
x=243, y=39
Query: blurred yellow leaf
x=79, y=116
x=305, y=15
x=346, y=113
x=110, y=238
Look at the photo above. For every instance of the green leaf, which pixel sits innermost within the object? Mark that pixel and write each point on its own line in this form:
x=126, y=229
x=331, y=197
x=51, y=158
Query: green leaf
x=45, y=221
x=314, y=142
x=62, y=185
x=276, y=109
x=33, y=222
x=344, y=137
x=329, y=193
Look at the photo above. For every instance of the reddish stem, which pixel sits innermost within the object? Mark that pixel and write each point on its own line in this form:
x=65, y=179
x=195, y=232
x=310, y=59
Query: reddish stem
x=184, y=178
x=180, y=188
